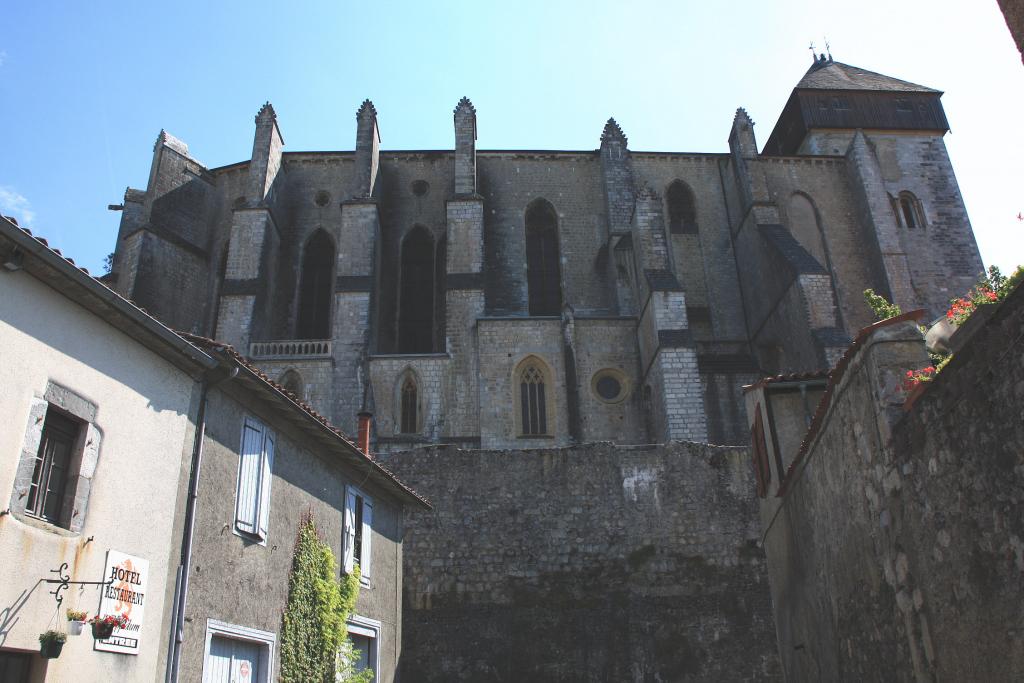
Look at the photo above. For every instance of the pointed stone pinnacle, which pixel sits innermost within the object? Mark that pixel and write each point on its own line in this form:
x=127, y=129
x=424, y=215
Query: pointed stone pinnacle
x=366, y=109
x=612, y=131
x=266, y=113
x=742, y=115
x=465, y=105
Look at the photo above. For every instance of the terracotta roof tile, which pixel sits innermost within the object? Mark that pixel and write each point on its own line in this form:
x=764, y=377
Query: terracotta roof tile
x=221, y=347
x=834, y=378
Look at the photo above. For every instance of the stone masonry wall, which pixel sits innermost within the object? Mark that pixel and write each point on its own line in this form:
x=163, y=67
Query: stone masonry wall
x=897, y=553
x=592, y=563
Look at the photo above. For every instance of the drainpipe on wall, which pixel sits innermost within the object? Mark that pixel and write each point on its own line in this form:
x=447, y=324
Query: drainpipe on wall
x=177, y=636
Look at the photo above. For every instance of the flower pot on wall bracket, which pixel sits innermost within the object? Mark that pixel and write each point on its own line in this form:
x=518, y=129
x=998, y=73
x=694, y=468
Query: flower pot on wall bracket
x=102, y=631
x=75, y=628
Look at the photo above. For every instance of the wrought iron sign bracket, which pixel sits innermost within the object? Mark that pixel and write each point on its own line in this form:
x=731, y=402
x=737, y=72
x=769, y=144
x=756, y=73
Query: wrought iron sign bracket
x=63, y=580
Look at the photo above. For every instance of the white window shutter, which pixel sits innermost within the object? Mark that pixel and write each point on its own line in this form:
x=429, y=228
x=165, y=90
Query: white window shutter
x=349, y=530
x=364, y=561
x=266, y=476
x=250, y=459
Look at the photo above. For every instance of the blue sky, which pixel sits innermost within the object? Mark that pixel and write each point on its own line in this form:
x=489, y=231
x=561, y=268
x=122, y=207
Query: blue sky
x=86, y=87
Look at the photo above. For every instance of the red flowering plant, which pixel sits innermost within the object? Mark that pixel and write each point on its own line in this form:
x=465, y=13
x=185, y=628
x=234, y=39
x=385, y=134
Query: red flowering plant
x=991, y=288
x=915, y=378
x=961, y=309
x=116, y=620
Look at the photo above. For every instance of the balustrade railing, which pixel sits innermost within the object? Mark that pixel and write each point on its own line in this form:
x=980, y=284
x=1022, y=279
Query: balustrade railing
x=291, y=348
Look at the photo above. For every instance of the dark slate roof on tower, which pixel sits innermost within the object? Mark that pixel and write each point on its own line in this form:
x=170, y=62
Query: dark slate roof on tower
x=831, y=75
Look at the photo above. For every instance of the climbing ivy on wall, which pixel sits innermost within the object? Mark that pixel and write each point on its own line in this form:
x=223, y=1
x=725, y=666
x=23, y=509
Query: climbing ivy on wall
x=314, y=632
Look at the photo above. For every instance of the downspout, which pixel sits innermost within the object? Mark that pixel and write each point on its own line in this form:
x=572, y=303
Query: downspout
x=177, y=635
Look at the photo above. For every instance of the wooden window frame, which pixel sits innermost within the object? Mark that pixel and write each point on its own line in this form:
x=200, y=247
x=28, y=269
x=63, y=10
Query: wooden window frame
x=357, y=533
x=58, y=430
x=266, y=641
x=264, y=462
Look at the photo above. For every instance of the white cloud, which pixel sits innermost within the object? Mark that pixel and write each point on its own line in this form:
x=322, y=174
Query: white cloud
x=12, y=203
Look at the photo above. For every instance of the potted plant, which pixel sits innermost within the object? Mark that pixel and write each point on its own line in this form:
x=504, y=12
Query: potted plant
x=103, y=626
x=76, y=620
x=51, y=643
x=914, y=384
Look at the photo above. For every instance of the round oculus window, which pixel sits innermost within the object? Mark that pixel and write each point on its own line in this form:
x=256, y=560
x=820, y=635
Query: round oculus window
x=420, y=187
x=609, y=385
x=322, y=198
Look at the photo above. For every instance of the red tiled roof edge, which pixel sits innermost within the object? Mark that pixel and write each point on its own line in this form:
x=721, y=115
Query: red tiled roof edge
x=215, y=345
x=792, y=377
x=198, y=342
x=834, y=377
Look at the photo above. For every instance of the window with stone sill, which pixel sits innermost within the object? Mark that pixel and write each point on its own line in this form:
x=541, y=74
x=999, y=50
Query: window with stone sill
x=316, y=288
x=255, y=474
x=364, y=634
x=909, y=212
x=534, y=414
x=543, y=270
x=58, y=460
x=682, y=209
x=358, y=530
x=410, y=405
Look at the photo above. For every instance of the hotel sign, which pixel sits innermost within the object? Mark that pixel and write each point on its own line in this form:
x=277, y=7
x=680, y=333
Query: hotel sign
x=124, y=595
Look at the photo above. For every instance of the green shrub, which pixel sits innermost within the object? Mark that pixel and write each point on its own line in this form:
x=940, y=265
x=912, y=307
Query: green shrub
x=314, y=631
x=881, y=307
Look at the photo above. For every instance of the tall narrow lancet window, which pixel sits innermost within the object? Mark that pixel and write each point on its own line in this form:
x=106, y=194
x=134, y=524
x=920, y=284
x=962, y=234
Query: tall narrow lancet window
x=416, y=293
x=532, y=401
x=410, y=405
x=315, y=290
x=910, y=211
x=542, y=266
x=682, y=209
x=805, y=228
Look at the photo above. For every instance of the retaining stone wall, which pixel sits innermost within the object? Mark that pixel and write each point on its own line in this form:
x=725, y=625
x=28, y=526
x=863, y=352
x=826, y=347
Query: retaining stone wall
x=592, y=563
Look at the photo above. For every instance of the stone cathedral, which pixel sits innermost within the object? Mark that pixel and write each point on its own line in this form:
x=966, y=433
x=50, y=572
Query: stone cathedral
x=526, y=299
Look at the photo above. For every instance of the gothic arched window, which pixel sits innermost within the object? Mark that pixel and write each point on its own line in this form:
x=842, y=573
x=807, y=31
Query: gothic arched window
x=909, y=211
x=542, y=268
x=805, y=228
x=409, y=421
x=682, y=209
x=533, y=399
x=416, y=293
x=315, y=288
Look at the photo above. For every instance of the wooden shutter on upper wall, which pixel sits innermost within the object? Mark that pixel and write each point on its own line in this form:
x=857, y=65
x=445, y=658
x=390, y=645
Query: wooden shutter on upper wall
x=349, y=531
x=250, y=468
x=266, y=476
x=364, y=561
